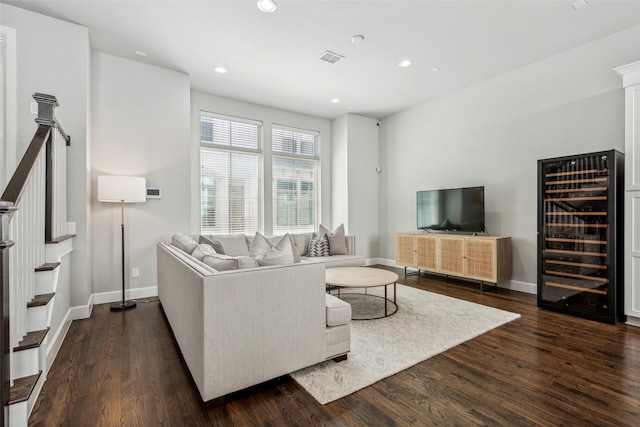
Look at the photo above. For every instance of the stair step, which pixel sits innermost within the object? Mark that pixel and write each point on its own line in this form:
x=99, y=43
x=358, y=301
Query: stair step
x=40, y=300
x=48, y=266
x=22, y=388
x=32, y=340
x=60, y=239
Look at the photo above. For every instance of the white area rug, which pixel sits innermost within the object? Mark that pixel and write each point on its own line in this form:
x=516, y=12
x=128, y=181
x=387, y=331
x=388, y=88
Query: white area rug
x=426, y=324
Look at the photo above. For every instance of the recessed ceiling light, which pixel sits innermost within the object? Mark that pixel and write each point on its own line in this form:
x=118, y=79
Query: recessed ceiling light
x=220, y=70
x=579, y=4
x=267, y=6
x=357, y=39
x=434, y=69
x=140, y=53
x=335, y=100
x=404, y=63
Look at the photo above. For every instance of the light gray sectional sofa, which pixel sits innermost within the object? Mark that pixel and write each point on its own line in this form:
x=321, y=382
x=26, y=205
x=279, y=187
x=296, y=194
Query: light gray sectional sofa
x=241, y=327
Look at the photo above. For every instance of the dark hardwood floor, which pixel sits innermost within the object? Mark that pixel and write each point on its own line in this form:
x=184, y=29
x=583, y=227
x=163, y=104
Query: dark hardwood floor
x=543, y=369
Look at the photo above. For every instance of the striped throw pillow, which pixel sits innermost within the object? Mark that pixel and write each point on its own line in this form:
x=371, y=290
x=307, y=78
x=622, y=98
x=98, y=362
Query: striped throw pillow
x=319, y=246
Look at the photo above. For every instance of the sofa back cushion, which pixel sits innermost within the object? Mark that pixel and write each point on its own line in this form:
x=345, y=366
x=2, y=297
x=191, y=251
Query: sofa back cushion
x=301, y=242
x=184, y=242
x=234, y=244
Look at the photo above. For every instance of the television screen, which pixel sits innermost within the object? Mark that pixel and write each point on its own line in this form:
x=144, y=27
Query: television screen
x=455, y=209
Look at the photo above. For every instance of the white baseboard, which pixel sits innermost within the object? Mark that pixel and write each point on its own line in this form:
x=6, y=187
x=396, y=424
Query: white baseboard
x=633, y=320
x=514, y=285
x=54, y=345
x=115, y=296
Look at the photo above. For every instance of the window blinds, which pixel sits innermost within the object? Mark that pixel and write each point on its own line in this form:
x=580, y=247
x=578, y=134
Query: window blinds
x=230, y=157
x=295, y=164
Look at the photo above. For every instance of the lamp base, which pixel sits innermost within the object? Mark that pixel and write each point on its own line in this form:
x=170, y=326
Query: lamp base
x=119, y=306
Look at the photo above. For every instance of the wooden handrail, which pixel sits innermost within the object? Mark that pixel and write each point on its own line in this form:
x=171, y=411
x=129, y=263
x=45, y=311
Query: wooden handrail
x=19, y=180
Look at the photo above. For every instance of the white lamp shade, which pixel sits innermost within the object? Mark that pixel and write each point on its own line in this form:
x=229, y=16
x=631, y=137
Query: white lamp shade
x=114, y=188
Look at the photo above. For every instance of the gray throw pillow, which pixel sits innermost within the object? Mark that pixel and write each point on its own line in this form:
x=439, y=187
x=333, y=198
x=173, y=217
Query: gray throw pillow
x=213, y=242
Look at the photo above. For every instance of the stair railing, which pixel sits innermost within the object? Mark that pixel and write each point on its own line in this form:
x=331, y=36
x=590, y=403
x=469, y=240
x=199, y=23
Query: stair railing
x=32, y=212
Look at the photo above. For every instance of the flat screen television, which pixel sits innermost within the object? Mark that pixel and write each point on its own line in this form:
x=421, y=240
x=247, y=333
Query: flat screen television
x=453, y=209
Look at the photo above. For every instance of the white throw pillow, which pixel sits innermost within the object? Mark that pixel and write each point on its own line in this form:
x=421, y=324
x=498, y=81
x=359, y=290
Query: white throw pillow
x=261, y=245
x=282, y=253
x=337, y=241
x=203, y=250
x=183, y=242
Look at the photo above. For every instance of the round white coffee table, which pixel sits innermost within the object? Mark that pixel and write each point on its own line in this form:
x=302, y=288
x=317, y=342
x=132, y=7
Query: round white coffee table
x=363, y=277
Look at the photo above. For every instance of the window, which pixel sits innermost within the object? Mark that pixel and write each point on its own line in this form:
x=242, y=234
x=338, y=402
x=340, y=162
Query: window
x=295, y=180
x=230, y=159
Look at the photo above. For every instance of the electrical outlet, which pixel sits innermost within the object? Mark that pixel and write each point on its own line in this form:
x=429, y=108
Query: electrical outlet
x=135, y=272
x=33, y=107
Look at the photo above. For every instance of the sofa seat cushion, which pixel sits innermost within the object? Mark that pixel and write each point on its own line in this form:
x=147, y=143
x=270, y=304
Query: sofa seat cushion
x=338, y=311
x=226, y=262
x=336, y=260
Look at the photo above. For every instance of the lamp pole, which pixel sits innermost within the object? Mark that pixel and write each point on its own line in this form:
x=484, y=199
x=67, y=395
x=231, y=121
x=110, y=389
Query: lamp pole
x=124, y=305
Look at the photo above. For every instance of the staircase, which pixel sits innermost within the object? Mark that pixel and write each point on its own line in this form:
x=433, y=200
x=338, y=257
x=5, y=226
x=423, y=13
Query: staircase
x=34, y=244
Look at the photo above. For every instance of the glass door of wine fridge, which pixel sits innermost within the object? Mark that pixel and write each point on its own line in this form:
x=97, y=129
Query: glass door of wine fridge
x=580, y=236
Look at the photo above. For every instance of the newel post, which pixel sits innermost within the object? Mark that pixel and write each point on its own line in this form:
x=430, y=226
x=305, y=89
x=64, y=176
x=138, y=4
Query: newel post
x=46, y=116
x=6, y=210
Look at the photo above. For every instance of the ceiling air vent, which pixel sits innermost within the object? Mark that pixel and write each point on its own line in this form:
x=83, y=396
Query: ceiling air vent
x=331, y=57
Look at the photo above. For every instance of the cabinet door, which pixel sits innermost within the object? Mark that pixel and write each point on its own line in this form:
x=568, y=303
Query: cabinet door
x=426, y=253
x=480, y=259
x=405, y=250
x=451, y=255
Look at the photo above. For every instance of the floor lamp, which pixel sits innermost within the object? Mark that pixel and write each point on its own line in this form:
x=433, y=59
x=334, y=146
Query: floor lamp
x=122, y=189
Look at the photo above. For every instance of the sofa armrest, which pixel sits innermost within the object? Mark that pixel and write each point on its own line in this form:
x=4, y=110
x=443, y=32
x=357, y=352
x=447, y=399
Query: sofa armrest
x=351, y=244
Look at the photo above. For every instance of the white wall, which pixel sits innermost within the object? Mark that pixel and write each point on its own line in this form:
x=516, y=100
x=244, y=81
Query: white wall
x=340, y=173
x=268, y=116
x=355, y=181
x=140, y=126
x=53, y=57
x=493, y=133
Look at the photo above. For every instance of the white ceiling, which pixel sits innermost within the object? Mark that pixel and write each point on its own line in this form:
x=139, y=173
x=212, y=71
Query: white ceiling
x=273, y=58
